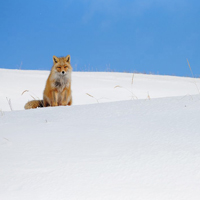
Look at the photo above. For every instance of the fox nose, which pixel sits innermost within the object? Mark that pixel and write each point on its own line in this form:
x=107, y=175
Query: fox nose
x=63, y=72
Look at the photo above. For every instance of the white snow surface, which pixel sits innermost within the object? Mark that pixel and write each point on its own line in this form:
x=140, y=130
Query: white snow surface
x=125, y=137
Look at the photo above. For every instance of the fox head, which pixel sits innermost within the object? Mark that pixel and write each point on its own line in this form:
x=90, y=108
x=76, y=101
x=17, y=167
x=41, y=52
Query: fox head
x=62, y=65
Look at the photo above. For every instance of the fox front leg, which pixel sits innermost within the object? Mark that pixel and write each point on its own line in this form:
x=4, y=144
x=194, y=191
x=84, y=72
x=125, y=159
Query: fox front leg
x=64, y=98
x=54, y=98
x=70, y=101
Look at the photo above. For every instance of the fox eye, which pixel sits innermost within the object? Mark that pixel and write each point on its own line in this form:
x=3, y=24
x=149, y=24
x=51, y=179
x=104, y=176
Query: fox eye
x=65, y=67
x=58, y=67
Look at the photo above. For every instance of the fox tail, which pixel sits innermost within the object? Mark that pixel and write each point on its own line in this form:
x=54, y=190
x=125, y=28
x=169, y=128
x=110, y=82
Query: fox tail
x=34, y=104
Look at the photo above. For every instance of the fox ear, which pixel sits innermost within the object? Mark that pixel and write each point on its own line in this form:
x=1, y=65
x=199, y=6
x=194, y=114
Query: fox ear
x=55, y=59
x=68, y=58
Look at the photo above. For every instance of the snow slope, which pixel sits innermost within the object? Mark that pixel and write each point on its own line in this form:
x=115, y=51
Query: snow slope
x=144, y=148
x=104, y=87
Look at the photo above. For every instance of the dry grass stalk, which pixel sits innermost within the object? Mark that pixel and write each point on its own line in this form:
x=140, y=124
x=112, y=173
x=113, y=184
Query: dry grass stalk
x=148, y=97
x=132, y=79
x=24, y=92
x=133, y=95
x=29, y=94
x=9, y=103
x=92, y=97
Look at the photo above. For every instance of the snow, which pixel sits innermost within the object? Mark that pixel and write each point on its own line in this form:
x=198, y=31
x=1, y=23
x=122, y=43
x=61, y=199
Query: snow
x=137, y=141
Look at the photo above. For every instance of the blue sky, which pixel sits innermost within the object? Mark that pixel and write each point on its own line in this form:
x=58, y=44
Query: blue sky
x=147, y=36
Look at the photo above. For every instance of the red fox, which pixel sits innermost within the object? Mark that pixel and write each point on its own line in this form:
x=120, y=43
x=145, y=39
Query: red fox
x=57, y=91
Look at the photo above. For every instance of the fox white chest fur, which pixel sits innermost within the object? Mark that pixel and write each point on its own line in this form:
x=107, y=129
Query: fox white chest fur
x=60, y=81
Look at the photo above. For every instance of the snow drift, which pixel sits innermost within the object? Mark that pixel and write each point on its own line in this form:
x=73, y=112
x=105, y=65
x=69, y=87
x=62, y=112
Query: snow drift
x=139, y=147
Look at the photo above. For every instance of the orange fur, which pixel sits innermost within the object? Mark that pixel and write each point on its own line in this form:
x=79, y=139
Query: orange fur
x=57, y=91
